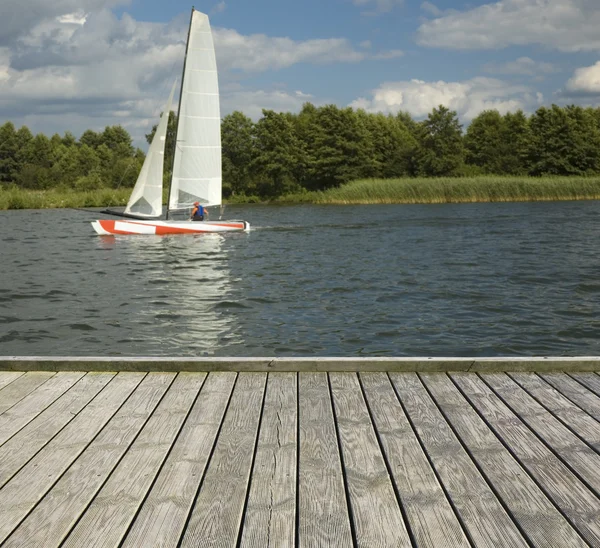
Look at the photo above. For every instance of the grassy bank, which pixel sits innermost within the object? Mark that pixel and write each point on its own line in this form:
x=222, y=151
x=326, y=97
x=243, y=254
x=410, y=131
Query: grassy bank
x=455, y=190
x=15, y=198
x=370, y=191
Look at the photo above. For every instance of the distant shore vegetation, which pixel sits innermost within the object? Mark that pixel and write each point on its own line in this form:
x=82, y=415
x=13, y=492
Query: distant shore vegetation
x=436, y=190
x=447, y=190
x=14, y=197
x=328, y=154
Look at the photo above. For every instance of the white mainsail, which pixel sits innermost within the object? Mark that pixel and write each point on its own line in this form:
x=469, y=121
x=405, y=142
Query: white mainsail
x=197, y=163
x=197, y=159
x=146, y=198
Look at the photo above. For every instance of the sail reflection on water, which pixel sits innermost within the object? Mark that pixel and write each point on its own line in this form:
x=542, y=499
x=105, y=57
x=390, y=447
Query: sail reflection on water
x=179, y=283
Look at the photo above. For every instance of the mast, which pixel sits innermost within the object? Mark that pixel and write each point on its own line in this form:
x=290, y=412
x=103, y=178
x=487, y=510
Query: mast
x=187, y=45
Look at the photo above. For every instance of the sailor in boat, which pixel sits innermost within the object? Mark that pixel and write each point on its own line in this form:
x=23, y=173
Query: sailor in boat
x=198, y=213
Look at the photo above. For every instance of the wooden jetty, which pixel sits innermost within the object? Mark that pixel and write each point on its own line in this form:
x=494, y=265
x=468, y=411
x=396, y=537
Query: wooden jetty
x=299, y=458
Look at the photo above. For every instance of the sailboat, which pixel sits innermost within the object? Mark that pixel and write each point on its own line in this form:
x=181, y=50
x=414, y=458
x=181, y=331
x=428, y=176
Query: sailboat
x=196, y=174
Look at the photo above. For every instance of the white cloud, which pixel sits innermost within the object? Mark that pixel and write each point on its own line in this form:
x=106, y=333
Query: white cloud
x=585, y=81
x=567, y=25
x=106, y=58
x=67, y=73
x=467, y=98
x=523, y=66
x=19, y=17
x=431, y=8
x=86, y=68
x=251, y=103
x=4, y=65
x=76, y=18
x=258, y=52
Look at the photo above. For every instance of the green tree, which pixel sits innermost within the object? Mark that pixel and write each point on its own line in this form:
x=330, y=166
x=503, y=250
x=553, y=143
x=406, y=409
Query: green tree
x=117, y=139
x=339, y=146
x=24, y=136
x=8, y=152
x=37, y=151
x=32, y=176
x=58, y=151
x=65, y=170
x=277, y=153
x=237, y=151
x=92, y=181
x=305, y=124
x=74, y=163
x=564, y=141
x=88, y=137
x=34, y=159
x=440, y=151
x=69, y=139
x=87, y=161
x=516, y=137
x=105, y=158
x=124, y=172
x=484, y=142
x=55, y=141
x=22, y=139
x=407, y=121
x=392, y=145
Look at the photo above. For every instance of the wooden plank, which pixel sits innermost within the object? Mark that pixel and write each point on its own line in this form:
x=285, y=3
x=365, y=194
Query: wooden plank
x=60, y=509
x=23, y=412
x=578, y=455
x=571, y=415
x=484, y=518
x=216, y=517
x=583, y=390
x=323, y=518
x=377, y=516
x=164, y=513
x=6, y=377
x=34, y=480
x=430, y=516
x=590, y=380
x=113, y=509
x=17, y=451
x=24, y=385
x=576, y=502
x=538, y=518
x=271, y=511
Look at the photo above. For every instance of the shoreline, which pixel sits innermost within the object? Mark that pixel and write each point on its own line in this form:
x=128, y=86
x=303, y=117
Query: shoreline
x=290, y=364
x=484, y=189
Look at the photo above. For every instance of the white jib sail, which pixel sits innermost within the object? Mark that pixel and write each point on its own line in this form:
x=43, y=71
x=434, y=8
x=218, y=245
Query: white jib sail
x=146, y=197
x=197, y=163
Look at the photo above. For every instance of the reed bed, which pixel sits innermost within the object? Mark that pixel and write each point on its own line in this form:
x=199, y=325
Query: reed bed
x=366, y=191
x=16, y=198
x=458, y=190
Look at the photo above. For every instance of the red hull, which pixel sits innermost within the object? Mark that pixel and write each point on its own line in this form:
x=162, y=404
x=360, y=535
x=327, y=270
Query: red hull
x=110, y=226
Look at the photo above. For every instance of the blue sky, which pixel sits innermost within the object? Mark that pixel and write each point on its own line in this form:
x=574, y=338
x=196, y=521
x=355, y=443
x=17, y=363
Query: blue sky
x=79, y=64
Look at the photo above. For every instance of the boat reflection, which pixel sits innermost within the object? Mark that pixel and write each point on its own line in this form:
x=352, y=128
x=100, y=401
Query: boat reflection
x=176, y=287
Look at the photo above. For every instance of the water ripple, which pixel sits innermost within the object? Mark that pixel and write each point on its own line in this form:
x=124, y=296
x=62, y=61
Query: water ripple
x=440, y=280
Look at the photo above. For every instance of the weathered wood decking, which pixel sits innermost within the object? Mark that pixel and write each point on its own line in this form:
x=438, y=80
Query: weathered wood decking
x=299, y=459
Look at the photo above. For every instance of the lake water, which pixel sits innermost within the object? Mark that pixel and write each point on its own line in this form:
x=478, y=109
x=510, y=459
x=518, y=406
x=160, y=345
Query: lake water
x=398, y=280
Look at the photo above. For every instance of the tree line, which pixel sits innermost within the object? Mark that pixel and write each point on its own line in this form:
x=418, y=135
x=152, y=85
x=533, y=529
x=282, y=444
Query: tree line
x=323, y=147
x=96, y=160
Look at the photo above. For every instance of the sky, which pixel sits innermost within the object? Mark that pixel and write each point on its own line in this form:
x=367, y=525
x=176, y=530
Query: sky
x=72, y=65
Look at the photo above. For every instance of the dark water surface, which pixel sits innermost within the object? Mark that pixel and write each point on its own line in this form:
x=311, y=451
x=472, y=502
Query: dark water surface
x=397, y=280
